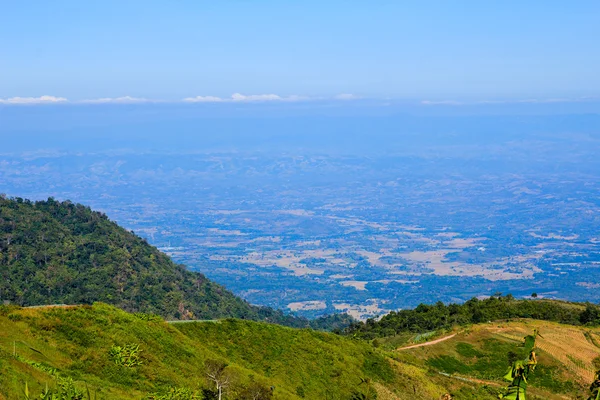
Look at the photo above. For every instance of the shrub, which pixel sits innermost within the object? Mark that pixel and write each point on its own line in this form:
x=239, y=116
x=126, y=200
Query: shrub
x=126, y=356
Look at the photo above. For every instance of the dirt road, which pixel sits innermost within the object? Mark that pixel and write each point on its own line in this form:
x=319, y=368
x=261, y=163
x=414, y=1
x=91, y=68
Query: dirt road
x=427, y=343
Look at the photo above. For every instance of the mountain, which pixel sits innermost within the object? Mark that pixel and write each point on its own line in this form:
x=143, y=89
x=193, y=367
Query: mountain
x=63, y=253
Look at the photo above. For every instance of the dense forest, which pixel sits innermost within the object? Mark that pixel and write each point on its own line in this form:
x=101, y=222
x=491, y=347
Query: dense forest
x=63, y=253
x=426, y=318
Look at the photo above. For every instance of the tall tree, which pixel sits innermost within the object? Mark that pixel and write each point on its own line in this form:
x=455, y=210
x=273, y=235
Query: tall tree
x=216, y=373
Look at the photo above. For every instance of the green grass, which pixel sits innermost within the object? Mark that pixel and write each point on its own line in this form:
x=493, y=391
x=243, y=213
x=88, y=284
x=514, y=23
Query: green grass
x=490, y=360
x=80, y=342
x=467, y=350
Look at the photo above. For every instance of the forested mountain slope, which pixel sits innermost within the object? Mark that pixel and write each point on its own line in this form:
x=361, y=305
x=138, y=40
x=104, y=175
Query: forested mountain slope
x=63, y=253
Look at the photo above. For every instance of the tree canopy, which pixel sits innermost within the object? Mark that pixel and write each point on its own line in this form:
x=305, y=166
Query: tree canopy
x=426, y=318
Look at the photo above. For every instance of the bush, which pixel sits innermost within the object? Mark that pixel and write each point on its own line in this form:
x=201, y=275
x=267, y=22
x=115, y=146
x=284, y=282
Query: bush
x=126, y=356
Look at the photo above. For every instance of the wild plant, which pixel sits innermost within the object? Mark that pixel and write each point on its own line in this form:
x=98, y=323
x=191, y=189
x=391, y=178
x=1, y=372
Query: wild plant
x=126, y=356
x=595, y=387
x=520, y=369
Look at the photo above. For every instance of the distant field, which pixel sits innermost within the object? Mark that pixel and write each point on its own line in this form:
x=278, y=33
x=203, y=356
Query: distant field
x=438, y=211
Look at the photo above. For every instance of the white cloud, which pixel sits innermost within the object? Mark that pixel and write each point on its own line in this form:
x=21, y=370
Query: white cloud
x=298, y=98
x=443, y=102
x=203, y=99
x=256, y=97
x=242, y=98
x=347, y=96
x=34, y=100
x=118, y=100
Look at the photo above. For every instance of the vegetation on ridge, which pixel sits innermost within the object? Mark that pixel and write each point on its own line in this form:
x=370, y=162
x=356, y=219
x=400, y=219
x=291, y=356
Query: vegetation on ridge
x=425, y=318
x=63, y=253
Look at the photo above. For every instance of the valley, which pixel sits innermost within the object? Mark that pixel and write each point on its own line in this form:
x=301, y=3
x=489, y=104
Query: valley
x=317, y=234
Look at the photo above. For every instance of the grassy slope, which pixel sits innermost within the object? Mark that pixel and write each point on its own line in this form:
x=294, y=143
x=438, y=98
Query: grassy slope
x=76, y=341
x=566, y=355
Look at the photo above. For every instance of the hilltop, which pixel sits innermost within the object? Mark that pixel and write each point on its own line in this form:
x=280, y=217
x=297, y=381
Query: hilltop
x=64, y=253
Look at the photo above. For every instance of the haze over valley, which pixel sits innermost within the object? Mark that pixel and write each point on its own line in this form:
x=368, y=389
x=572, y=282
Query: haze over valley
x=323, y=214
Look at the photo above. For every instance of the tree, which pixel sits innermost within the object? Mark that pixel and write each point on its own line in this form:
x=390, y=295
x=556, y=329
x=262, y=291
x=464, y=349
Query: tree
x=256, y=391
x=208, y=394
x=591, y=315
x=217, y=374
x=534, y=295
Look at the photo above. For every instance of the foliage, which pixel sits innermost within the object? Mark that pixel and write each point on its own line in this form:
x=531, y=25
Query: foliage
x=76, y=341
x=63, y=253
x=126, y=356
x=365, y=391
x=591, y=315
x=42, y=367
x=595, y=388
x=519, y=371
x=256, y=391
x=426, y=318
x=65, y=390
x=176, y=393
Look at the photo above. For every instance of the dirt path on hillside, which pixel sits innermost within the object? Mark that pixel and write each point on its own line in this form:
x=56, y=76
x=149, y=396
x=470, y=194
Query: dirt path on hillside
x=427, y=343
x=53, y=306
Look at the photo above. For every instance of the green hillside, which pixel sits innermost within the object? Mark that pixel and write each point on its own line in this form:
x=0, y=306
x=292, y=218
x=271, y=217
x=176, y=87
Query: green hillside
x=85, y=348
x=37, y=345
x=567, y=356
x=63, y=253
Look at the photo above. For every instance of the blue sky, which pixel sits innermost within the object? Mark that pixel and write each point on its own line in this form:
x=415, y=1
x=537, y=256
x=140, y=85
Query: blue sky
x=425, y=50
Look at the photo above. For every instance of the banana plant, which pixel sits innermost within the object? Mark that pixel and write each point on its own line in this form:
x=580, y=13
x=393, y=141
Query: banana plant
x=519, y=371
x=127, y=355
x=64, y=390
